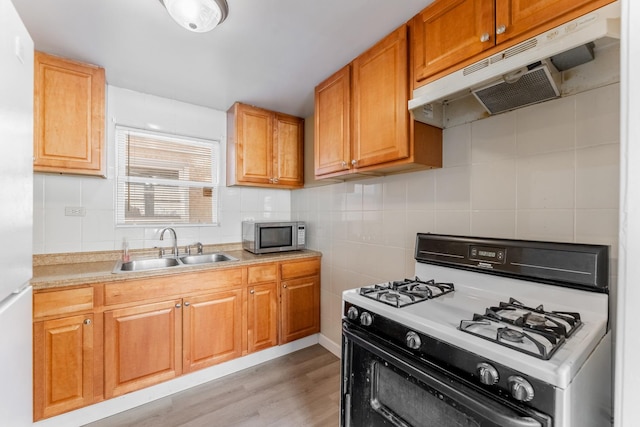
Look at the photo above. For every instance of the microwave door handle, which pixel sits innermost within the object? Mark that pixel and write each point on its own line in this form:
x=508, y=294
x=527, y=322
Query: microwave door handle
x=479, y=404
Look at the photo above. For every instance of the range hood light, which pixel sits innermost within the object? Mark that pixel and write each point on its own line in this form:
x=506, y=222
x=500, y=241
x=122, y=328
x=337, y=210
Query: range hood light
x=514, y=76
x=198, y=16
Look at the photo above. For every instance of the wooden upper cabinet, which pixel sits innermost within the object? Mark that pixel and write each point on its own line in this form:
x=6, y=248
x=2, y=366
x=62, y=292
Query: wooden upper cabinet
x=288, y=143
x=519, y=17
x=380, y=96
x=332, y=130
x=69, y=99
x=448, y=32
x=265, y=148
x=451, y=34
x=362, y=122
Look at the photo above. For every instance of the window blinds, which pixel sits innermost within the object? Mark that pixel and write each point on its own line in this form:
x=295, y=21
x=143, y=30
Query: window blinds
x=165, y=179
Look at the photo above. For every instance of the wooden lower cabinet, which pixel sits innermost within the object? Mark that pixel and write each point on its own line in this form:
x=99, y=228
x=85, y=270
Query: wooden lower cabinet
x=143, y=346
x=300, y=308
x=62, y=365
x=262, y=313
x=102, y=341
x=212, y=329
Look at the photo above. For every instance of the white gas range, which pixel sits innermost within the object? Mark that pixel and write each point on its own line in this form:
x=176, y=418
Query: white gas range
x=522, y=323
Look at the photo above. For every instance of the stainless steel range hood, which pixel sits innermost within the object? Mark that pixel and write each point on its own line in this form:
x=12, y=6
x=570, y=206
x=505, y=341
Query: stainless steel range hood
x=521, y=75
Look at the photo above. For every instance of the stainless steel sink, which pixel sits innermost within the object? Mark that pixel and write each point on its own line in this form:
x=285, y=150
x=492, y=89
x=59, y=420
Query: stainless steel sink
x=145, y=264
x=162, y=263
x=206, y=258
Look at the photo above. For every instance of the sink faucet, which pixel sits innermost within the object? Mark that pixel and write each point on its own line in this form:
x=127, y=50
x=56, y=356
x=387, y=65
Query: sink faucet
x=175, y=239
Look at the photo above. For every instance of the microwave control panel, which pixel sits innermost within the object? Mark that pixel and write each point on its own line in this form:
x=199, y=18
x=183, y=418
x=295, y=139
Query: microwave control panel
x=301, y=234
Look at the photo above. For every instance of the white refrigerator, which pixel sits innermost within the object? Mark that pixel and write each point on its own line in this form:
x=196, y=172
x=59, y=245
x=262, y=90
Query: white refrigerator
x=16, y=219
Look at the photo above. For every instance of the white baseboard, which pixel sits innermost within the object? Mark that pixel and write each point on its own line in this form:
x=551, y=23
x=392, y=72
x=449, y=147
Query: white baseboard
x=330, y=345
x=128, y=401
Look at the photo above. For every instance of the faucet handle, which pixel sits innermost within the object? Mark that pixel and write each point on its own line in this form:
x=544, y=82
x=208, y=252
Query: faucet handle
x=199, y=246
x=187, y=249
x=160, y=251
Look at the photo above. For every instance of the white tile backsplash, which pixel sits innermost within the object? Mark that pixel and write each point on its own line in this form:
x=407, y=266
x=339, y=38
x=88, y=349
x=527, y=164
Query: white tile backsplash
x=494, y=138
x=597, y=176
x=546, y=181
x=546, y=127
x=598, y=116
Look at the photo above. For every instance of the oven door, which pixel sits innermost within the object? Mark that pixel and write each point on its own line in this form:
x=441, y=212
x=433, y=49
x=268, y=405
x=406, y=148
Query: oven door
x=382, y=386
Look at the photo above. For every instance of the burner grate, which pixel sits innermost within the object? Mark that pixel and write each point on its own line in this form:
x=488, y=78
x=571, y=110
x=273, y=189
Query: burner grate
x=406, y=292
x=533, y=331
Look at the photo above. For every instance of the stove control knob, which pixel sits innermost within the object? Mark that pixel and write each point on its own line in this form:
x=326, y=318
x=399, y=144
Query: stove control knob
x=487, y=373
x=366, y=319
x=520, y=388
x=413, y=340
x=352, y=313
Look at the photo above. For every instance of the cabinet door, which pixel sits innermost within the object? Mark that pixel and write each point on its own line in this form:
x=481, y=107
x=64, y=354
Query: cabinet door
x=448, y=32
x=380, y=96
x=212, y=329
x=142, y=346
x=262, y=316
x=68, y=116
x=254, y=139
x=63, y=365
x=288, y=144
x=300, y=308
x=332, y=140
x=522, y=16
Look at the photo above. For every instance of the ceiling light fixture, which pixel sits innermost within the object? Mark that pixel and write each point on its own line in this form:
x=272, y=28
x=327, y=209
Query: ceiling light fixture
x=197, y=15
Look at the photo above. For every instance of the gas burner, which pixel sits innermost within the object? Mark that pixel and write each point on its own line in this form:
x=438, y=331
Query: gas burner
x=510, y=335
x=533, y=320
x=401, y=293
x=529, y=330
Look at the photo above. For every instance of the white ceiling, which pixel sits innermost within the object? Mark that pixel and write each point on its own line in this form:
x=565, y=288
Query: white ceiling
x=269, y=53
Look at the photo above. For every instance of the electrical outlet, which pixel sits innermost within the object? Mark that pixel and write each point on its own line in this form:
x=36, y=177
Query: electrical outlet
x=74, y=211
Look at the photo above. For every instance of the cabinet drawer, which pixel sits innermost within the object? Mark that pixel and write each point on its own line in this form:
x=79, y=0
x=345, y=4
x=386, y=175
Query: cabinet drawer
x=62, y=302
x=171, y=286
x=213, y=280
x=291, y=270
x=262, y=273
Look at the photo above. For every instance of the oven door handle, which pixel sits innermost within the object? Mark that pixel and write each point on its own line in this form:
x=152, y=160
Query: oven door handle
x=481, y=405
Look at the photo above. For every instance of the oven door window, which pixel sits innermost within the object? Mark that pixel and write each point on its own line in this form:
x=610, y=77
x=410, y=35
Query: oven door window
x=404, y=402
x=384, y=387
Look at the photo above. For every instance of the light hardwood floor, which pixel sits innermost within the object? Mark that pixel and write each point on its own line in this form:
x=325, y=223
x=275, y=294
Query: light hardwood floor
x=299, y=389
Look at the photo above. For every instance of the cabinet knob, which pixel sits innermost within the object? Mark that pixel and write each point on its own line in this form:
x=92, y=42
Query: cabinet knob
x=344, y=164
x=354, y=162
x=252, y=291
x=178, y=305
x=284, y=286
x=87, y=321
x=484, y=37
x=275, y=180
x=501, y=29
x=187, y=303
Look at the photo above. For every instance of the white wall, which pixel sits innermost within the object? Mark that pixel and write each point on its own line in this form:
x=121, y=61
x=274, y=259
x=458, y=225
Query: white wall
x=627, y=379
x=54, y=232
x=546, y=172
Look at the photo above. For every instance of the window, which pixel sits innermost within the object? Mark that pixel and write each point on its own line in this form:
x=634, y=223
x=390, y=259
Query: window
x=165, y=179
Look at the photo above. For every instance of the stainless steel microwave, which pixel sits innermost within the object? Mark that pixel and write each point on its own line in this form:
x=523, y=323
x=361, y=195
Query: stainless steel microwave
x=273, y=236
